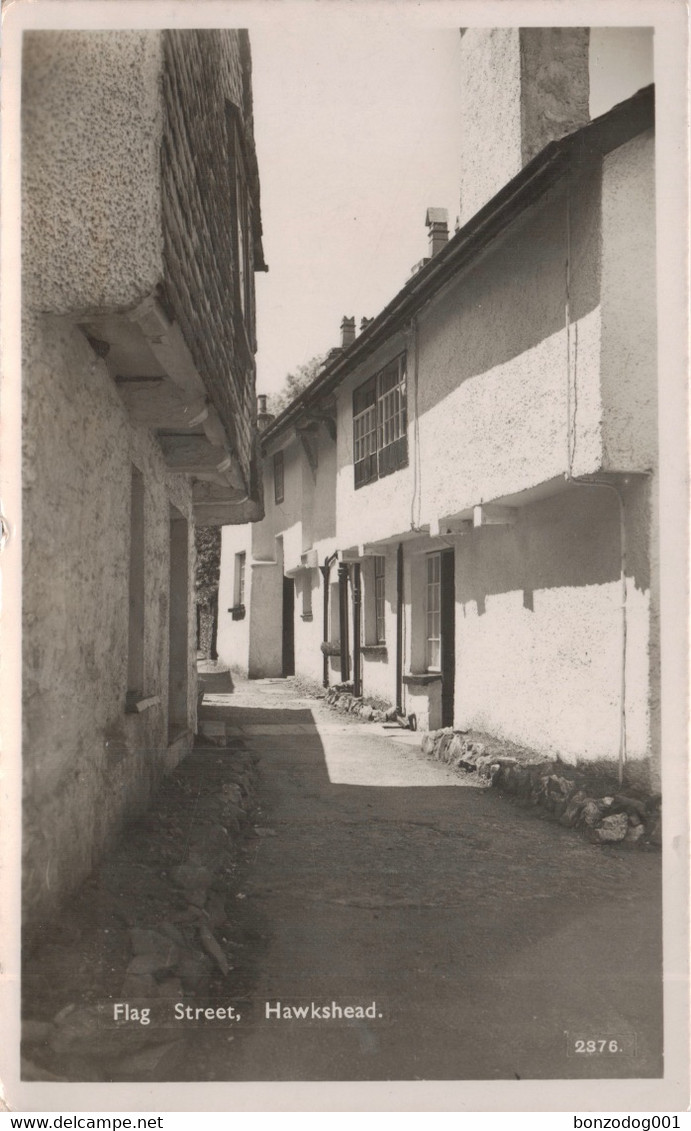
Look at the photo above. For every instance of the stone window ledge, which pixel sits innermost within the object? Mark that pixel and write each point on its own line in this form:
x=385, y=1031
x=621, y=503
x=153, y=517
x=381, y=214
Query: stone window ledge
x=330, y=649
x=135, y=702
x=376, y=650
x=237, y=612
x=422, y=678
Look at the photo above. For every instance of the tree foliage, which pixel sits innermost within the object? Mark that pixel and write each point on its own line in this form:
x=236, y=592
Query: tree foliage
x=208, y=541
x=295, y=382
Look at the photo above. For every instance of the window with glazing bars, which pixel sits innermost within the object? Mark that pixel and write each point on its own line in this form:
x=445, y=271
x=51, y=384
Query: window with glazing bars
x=433, y=612
x=379, y=591
x=380, y=442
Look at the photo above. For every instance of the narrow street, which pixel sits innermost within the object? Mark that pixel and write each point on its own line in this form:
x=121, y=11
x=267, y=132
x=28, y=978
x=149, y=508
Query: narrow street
x=490, y=940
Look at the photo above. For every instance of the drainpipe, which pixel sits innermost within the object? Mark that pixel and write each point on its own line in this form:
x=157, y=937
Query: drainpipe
x=399, y=629
x=343, y=611
x=325, y=571
x=621, y=760
x=357, y=603
x=571, y=408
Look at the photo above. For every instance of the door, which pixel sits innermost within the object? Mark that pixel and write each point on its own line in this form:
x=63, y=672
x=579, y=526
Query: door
x=288, y=626
x=448, y=637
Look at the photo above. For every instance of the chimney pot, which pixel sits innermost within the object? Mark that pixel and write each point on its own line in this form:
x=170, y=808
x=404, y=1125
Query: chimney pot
x=364, y=323
x=437, y=221
x=264, y=417
x=347, y=332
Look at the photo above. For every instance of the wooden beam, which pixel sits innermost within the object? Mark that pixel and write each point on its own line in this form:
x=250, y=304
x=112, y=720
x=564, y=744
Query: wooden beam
x=166, y=342
x=446, y=527
x=158, y=404
x=188, y=454
x=310, y=446
x=315, y=417
x=213, y=491
x=490, y=514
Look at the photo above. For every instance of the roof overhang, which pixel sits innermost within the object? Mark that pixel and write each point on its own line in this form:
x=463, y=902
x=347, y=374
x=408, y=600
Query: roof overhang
x=593, y=141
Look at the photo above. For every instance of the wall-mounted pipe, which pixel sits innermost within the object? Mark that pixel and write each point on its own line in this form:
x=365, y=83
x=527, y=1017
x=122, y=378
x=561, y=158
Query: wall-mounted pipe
x=399, y=629
x=357, y=606
x=571, y=438
x=343, y=616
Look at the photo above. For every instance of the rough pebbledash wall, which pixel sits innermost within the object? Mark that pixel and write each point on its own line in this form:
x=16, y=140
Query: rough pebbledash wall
x=204, y=73
x=91, y=132
x=521, y=88
x=86, y=763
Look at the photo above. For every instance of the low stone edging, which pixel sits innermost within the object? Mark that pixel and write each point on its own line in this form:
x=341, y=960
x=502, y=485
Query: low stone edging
x=340, y=696
x=563, y=790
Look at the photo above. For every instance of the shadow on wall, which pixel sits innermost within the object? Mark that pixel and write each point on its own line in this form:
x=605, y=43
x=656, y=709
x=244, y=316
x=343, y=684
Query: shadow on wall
x=513, y=299
x=568, y=541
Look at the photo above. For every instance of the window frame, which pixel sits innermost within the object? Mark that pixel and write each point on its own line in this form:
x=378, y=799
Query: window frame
x=380, y=423
x=279, y=464
x=240, y=578
x=433, y=612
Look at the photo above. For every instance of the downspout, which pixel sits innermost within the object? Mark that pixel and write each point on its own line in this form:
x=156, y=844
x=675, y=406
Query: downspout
x=571, y=478
x=325, y=571
x=357, y=603
x=399, y=629
x=412, y=338
x=343, y=611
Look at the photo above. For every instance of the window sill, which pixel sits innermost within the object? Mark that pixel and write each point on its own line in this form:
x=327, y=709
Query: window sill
x=306, y=616
x=136, y=703
x=422, y=678
x=237, y=612
x=376, y=650
x=330, y=649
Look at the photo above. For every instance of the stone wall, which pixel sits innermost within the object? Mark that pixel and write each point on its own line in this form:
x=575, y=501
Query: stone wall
x=539, y=627
x=605, y=812
x=91, y=133
x=521, y=88
x=87, y=762
x=204, y=73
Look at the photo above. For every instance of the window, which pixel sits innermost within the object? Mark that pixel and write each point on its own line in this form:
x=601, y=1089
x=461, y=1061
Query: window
x=239, y=597
x=433, y=612
x=306, y=583
x=279, y=481
x=379, y=590
x=380, y=441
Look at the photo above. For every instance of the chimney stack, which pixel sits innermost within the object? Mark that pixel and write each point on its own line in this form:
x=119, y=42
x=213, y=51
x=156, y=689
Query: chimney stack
x=437, y=220
x=364, y=323
x=520, y=88
x=264, y=417
x=347, y=332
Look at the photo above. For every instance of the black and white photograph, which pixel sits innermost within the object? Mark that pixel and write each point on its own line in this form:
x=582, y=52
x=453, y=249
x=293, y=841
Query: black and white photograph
x=345, y=517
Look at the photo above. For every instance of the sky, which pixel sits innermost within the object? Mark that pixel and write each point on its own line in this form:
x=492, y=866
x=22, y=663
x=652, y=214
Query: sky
x=357, y=133
x=358, y=126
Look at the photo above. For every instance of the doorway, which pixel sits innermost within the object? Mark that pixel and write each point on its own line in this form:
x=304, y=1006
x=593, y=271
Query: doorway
x=448, y=637
x=288, y=626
